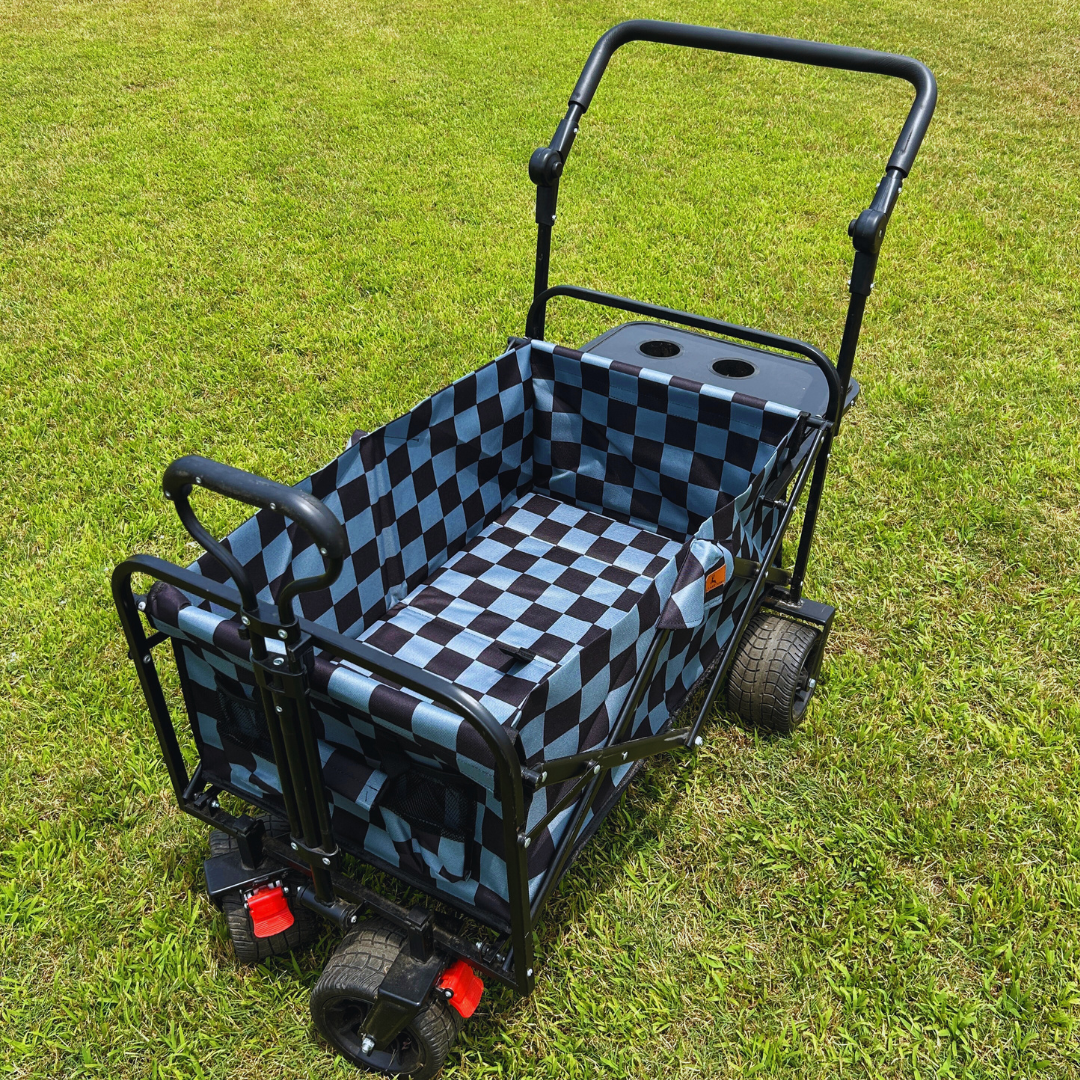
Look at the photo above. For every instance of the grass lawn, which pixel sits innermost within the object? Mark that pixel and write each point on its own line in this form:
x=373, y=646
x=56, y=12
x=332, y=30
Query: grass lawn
x=245, y=228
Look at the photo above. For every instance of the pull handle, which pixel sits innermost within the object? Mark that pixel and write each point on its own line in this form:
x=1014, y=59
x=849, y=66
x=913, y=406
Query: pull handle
x=315, y=518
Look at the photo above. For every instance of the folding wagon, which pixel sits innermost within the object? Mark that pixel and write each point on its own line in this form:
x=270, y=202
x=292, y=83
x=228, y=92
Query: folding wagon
x=445, y=655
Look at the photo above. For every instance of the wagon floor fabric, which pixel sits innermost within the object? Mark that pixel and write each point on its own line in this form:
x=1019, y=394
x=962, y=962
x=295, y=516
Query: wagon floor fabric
x=535, y=587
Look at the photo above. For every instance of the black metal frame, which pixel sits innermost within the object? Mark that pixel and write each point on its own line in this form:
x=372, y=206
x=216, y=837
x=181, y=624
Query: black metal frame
x=283, y=678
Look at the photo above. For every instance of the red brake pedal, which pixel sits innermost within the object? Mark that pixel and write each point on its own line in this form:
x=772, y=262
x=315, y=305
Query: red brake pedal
x=269, y=911
x=462, y=986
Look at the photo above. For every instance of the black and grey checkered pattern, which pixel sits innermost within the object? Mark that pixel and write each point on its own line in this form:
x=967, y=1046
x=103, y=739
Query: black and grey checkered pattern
x=409, y=495
x=539, y=584
x=523, y=533
x=652, y=449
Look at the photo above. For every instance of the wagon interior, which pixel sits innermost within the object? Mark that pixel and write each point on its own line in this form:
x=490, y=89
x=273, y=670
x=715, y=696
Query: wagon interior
x=523, y=534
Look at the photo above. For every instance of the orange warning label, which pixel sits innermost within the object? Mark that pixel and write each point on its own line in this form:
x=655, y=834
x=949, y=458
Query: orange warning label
x=715, y=579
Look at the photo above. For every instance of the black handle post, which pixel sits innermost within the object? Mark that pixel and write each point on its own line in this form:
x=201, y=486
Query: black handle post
x=867, y=231
x=282, y=680
x=187, y=473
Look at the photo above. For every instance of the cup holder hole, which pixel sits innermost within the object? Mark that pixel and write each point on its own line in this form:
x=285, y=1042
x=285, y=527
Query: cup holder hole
x=660, y=348
x=731, y=367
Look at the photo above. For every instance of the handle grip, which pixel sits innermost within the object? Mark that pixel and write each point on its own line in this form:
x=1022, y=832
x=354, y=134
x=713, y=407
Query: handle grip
x=815, y=53
x=314, y=517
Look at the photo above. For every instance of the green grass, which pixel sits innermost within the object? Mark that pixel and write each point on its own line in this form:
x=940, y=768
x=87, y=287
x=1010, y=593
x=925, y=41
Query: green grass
x=245, y=229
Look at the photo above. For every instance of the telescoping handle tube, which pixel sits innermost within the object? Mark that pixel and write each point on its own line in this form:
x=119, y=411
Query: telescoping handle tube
x=316, y=519
x=867, y=231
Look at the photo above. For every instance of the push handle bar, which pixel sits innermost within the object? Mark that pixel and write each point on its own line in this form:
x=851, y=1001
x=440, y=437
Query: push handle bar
x=815, y=53
x=547, y=163
x=314, y=517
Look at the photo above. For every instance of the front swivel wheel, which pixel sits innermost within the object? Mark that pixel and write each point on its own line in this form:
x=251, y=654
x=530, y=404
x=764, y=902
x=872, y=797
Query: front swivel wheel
x=247, y=947
x=344, y=996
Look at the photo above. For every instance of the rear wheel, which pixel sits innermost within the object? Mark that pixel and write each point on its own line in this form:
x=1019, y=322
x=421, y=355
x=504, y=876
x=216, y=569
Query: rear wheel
x=773, y=675
x=345, y=994
x=248, y=948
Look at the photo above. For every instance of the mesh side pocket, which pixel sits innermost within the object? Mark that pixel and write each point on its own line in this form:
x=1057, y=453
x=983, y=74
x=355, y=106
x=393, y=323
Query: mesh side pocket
x=432, y=803
x=244, y=724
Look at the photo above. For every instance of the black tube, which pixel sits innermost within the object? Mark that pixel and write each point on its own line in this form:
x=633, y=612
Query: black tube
x=534, y=327
x=816, y=53
x=314, y=517
x=284, y=707
x=845, y=359
x=277, y=742
x=139, y=651
x=233, y=567
x=809, y=523
x=817, y=455
x=314, y=764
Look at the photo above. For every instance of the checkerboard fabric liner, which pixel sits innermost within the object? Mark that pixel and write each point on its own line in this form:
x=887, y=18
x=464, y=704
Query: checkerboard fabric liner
x=525, y=533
